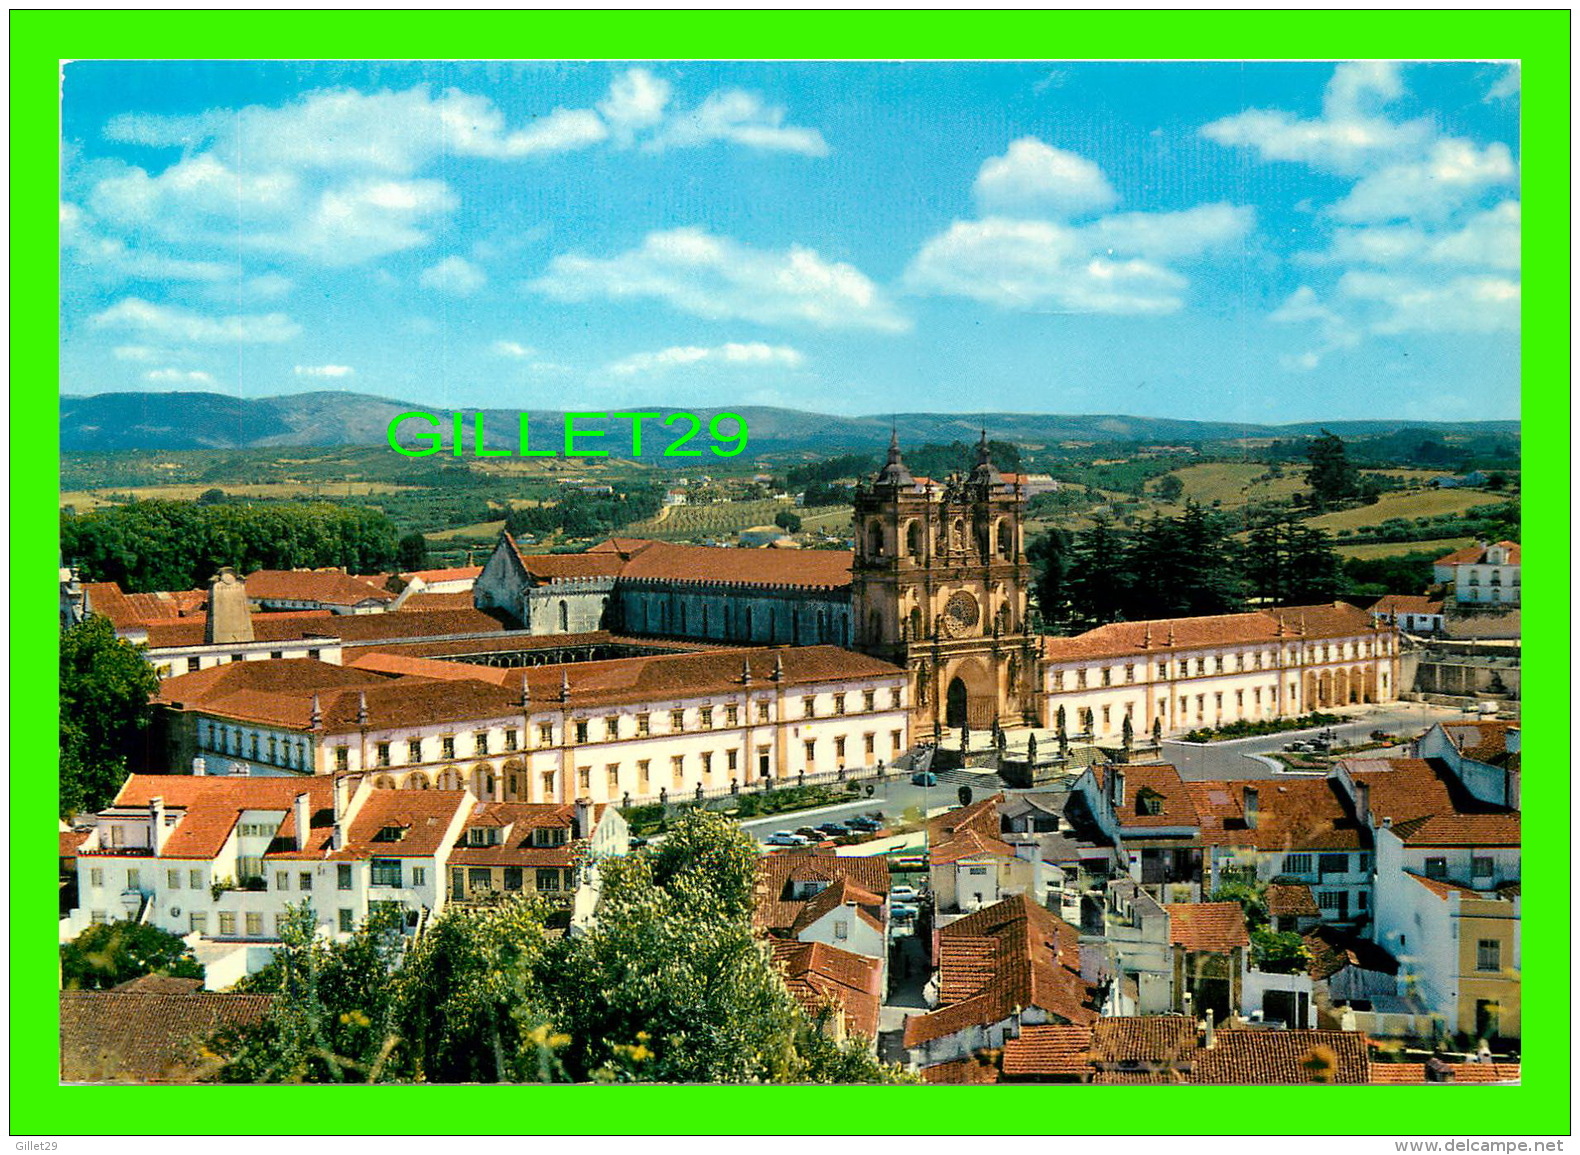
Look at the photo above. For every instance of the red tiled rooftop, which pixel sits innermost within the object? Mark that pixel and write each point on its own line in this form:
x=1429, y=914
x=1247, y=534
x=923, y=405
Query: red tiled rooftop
x=1213, y=927
x=1291, y=623
x=1048, y=1050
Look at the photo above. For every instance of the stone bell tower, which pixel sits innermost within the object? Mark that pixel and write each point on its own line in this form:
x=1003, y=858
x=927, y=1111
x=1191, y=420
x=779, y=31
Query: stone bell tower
x=939, y=586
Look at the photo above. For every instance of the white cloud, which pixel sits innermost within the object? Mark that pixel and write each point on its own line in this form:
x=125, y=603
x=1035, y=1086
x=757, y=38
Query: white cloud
x=1188, y=233
x=755, y=354
x=1506, y=86
x=1467, y=304
x=1039, y=265
x=636, y=100
x=739, y=117
x=1036, y=179
x=513, y=349
x=112, y=259
x=1453, y=173
x=178, y=377
x=1489, y=240
x=323, y=370
x=186, y=327
x=720, y=279
x=454, y=275
x=1333, y=330
x=1350, y=136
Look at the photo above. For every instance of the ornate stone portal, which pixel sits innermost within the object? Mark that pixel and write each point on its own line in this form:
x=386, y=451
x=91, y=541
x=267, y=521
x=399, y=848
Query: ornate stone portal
x=939, y=586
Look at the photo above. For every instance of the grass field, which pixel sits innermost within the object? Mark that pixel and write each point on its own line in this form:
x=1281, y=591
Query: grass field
x=1420, y=503
x=1437, y=547
x=482, y=529
x=86, y=499
x=1232, y=484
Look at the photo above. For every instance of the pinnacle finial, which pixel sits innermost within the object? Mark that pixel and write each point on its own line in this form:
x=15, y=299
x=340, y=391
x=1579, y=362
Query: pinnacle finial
x=565, y=685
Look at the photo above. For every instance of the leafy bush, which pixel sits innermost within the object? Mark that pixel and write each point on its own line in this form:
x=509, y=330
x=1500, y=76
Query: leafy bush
x=1279, y=952
x=110, y=953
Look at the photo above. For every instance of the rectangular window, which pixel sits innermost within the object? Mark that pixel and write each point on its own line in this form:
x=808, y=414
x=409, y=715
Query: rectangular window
x=447, y=748
x=1328, y=899
x=512, y=739
x=1437, y=868
x=342, y=759
x=192, y=665
x=282, y=880
x=96, y=876
x=1480, y=867
x=386, y=871
x=811, y=752
x=1130, y=673
x=1360, y=900
x=896, y=740
x=279, y=926
x=480, y=742
x=705, y=717
x=343, y=876
x=227, y=923
x=644, y=725
x=841, y=928
x=173, y=879
x=707, y=764
x=869, y=700
x=414, y=750
x=198, y=921
x=195, y=879
x=732, y=715
x=732, y=760
x=1105, y=716
x=304, y=880
x=869, y=744
x=480, y=878
x=512, y=878
x=134, y=879
x=97, y=917
x=677, y=721
x=1217, y=699
x=1217, y=665
x=677, y=769
x=348, y=920
x=584, y=778
x=762, y=711
x=612, y=771
x=611, y=727
x=839, y=750
x=644, y=777
x=1489, y=954
x=384, y=753
x=548, y=784
x=1333, y=863
x=763, y=766
x=581, y=732
x=254, y=924
x=547, y=879
x=545, y=733
x=977, y=870
x=839, y=703
x=1107, y=677
x=1297, y=864
x=808, y=707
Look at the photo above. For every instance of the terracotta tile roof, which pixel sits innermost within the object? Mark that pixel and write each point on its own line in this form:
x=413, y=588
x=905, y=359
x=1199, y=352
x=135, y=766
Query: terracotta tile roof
x=807, y=569
x=668, y=677
x=1291, y=814
x=349, y=628
x=971, y=832
x=395, y=663
x=1392, y=1074
x=1291, y=901
x=212, y=806
x=1484, y=741
x=1406, y=604
x=820, y=975
x=422, y=816
x=424, y=602
x=1332, y=949
x=1269, y=1057
x=1460, y=830
x=457, y=573
x=1036, y=964
x=548, y=567
x=1213, y=927
x=779, y=873
x=837, y=894
x=1151, y=1039
x=72, y=840
x=330, y=587
x=1474, y=554
x=1137, y=1078
x=1177, y=803
x=960, y=1073
x=505, y=641
x=1120, y=639
x=146, y=1037
x=136, y=611
x=1443, y=888
x=160, y=985
x=1048, y=1050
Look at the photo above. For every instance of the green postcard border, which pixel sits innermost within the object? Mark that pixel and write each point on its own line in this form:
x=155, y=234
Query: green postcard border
x=41, y=40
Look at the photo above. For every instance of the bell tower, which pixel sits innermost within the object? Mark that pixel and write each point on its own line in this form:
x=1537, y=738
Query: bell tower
x=939, y=586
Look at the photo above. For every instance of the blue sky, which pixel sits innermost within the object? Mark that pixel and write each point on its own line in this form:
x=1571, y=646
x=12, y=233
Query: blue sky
x=1266, y=242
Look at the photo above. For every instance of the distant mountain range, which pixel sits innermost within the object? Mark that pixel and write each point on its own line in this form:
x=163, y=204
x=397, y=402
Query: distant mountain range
x=110, y=421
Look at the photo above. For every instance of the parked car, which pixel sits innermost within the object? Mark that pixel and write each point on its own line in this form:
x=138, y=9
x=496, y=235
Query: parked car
x=833, y=828
x=1381, y=736
x=637, y=843
x=903, y=894
x=867, y=824
x=924, y=778
x=902, y=913
x=810, y=833
x=784, y=838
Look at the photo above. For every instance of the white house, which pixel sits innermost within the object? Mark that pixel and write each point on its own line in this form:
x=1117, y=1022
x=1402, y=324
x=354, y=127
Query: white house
x=1482, y=574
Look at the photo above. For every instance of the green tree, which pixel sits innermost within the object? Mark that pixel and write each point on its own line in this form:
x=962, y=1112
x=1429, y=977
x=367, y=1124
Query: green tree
x=1170, y=487
x=411, y=553
x=788, y=521
x=1279, y=952
x=1100, y=576
x=105, y=685
x=211, y=497
x=1331, y=476
x=107, y=954
x=1049, y=556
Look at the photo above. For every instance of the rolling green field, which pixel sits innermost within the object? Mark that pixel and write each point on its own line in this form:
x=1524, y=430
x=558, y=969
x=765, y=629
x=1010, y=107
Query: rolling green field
x=1437, y=547
x=1408, y=505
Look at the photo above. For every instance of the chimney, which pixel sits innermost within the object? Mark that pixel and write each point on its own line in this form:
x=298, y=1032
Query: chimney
x=1209, y=1042
x=1116, y=787
x=156, y=818
x=229, y=615
x=199, y=766
x=362, y=708
x=526, y=694
x=583, y=818
x=1253, y=806
x=1363, y=802
x=303, y=813
x=746, y=671
x=316, y=714
x=342, y=797
x=565, y=685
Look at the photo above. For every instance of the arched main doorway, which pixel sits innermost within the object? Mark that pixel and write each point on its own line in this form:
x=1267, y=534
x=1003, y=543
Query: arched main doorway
x=970, y=698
